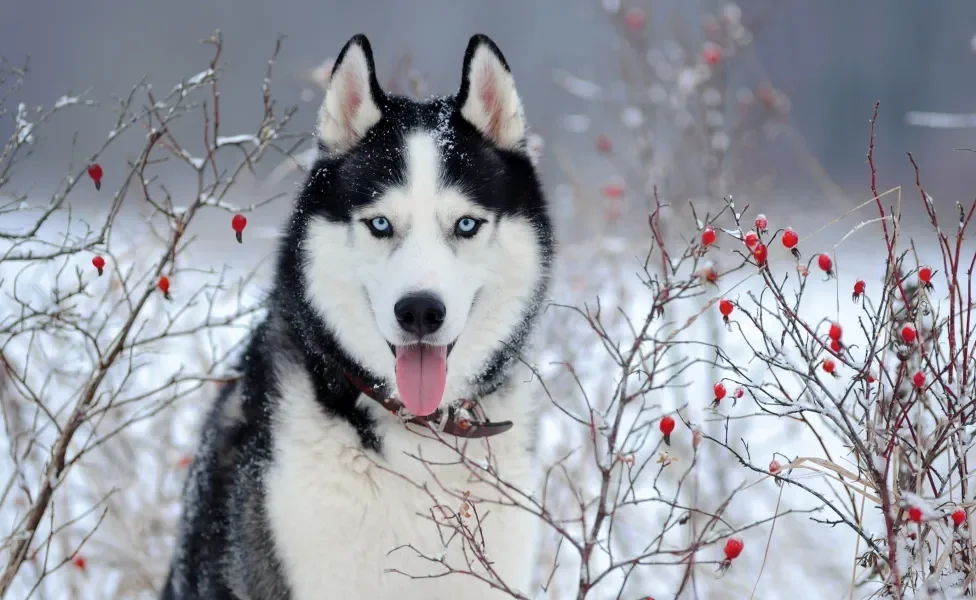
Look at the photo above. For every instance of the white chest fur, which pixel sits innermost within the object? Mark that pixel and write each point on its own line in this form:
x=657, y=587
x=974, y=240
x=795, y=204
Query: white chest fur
x=354, y=525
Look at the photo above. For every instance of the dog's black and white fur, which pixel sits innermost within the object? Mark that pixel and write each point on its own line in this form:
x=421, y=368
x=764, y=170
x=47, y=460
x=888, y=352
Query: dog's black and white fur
x=302, y=488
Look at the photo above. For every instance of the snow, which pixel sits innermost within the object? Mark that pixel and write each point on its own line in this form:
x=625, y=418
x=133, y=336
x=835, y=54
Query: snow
x=66, y=101
x=238, y=139
x=24, y=127
x=144, y=462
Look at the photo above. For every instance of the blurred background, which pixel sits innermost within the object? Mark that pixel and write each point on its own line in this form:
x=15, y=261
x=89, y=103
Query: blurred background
x=832, y=58
x=766, y=100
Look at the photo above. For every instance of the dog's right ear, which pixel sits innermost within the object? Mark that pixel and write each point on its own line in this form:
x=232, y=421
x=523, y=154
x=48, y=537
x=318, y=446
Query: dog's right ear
x=352, y=96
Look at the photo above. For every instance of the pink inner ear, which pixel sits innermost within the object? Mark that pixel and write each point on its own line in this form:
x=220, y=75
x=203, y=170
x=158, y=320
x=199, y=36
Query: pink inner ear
x=351, y=100
x=488, y=90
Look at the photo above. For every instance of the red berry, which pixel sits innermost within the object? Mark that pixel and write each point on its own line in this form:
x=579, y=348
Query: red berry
x=733, y=548
x=915, y=514
x=858, y=289
x=908, y=334
x=613, y=191
x=836, y=346
x=634, y=18
x=761, y=223
x=825, y=263
x=719, y=389
x=760, y=253
x=925, y=276
x=603, y=143
x=774, y=466
x=740, y=393
x=238, y=223
x=870, y=378
x=667, y=426
x=725, y=307
x=711, y=54
x=829, y=366
x=164, y=286
x=958, y=517
x=751, y=239
x=918, y=380
x=79, y=562
x=95, y=172
x=99, y=263
x=835, y=331
x=708, y=236
x=790, y=238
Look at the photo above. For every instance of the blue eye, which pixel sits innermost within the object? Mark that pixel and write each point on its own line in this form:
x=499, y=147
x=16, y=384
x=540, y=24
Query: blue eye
x=467, y=226
x=379, y=226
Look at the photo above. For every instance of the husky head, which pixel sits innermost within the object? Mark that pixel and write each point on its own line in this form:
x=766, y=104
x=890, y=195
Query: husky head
x=422, y=234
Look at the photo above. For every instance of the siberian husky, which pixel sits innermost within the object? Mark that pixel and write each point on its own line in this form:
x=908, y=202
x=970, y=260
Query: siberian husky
x=378, y=444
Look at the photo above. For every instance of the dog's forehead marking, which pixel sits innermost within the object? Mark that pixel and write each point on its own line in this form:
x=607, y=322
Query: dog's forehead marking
x=423, y=194
x=423, y=166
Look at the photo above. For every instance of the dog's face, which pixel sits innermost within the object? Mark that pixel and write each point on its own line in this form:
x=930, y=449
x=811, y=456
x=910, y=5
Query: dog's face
x=426, y=244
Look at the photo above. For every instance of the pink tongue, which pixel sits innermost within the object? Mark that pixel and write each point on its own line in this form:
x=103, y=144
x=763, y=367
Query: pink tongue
x=421, y=373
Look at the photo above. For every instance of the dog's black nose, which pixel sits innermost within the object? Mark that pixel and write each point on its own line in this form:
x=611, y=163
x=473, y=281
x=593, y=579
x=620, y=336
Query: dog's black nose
x=420, y=314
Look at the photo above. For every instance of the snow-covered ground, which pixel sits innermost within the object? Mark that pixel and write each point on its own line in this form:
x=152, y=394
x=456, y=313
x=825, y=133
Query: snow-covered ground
x=128, y=484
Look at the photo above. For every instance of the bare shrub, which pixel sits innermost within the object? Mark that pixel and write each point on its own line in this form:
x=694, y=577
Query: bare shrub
x=108, y=330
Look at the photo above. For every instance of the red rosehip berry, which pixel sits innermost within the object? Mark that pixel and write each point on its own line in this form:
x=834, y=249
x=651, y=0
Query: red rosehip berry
x=918, y=380
x=760, y=253
x=958, y=517
x=635, y=19
x=708, y=236
x=711, y=54
x=762, y=225
x=725, y=307
x=858, y=290
x=613, y=191
x=709, y=274
x=751, y=239
x=733, y=548
x=667, y=427
x=238, y=223
x=915, y=514
x=826, y=265
x=164, y=286
x=836, y=346
x=95, y=172
x=603, y=143
x=99, y=263
x=790, y=238
x=908, y=334
x=79, y=562
x=719, y=390
x=774, y=466
x=740, y=393
x=835, y=331
x=829, y=367
x=925, y=276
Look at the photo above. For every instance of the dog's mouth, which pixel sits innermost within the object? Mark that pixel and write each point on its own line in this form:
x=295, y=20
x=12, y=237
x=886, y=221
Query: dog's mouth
x=393, y=349
x=421, y=376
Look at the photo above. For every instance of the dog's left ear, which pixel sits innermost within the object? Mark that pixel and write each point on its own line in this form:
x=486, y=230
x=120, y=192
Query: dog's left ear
x=352, y=97
x=487, y=97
